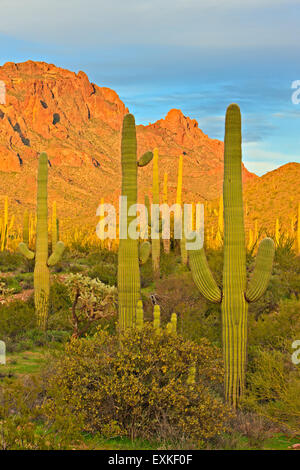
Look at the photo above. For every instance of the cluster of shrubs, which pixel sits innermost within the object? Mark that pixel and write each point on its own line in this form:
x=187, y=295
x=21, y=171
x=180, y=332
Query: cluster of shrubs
x=138, y=385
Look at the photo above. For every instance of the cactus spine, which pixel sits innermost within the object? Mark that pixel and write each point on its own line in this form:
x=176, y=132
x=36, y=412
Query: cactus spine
x=235, y=296
x=128, y=256
x=41, y=270
x=155, y=241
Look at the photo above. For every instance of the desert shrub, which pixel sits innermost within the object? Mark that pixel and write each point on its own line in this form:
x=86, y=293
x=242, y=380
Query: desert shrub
x=25, y=279
x=31, y=339
x=247, y=430
x=276, y=330
x=136, y=385
x=76, y=268
x=197, y=318
x=15, y=318
x=177, y=293
x=273, y=388
x=146, y=274
x=5, y=291
x=284, y=253
x=10, y=261
x=284, y=284
x=106, y=273
x=91, y=301
x=203, y=321
x=12, y=284
x=59, y=296
x=24, y=422
x=170, y=264
x=215, y=261
x=104, y=256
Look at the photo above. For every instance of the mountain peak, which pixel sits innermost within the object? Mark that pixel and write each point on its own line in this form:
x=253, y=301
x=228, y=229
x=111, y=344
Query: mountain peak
x=78, y=124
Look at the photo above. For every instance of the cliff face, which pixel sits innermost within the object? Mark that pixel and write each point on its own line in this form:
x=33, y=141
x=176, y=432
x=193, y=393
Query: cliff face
x=78, y=124
x=48, y=108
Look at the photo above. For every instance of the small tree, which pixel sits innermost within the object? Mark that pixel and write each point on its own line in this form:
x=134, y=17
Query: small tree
x=91, y=300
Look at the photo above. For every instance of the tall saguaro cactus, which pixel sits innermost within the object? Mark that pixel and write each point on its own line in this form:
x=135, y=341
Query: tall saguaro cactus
x=155, y=241
x=42, y=262
x=26, y=228
x=235, y=295
x=183, y=251
x=166, y=241
x=128, y=256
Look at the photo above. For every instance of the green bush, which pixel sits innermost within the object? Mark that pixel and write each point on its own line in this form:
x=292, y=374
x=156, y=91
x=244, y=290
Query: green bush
x=15, y=318
x=106, y=273
x=276, y=330
x=136, y=385
x=146, y=274
x=10, y=261
x=25, y=279
x=13, y=284
x=273, y=388
x=102, y=256
x=24, y=421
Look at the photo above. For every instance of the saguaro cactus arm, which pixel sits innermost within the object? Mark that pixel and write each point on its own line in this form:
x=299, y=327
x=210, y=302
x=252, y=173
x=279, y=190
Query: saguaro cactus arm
x=57, y=253
x=262, y=272
x=25, y=251
x=203, y=277
x=145, y=159
x=144, y=252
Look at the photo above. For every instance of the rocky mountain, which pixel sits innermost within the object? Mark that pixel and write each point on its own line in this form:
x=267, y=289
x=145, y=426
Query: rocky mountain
x=78, y=124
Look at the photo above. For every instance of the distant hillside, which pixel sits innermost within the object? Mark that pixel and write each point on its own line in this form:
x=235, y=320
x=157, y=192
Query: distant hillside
x=78, y=124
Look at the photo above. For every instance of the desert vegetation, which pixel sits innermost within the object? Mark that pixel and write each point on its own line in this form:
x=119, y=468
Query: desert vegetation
x=127, y=344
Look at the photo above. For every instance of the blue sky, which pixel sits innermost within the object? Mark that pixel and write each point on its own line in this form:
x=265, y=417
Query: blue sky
x=196, y=55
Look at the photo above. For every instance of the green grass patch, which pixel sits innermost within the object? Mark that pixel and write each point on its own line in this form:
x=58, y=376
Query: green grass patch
x=23, y=363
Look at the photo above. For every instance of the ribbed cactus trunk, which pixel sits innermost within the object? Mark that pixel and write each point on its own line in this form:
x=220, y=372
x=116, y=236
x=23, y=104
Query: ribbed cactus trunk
x=166, y=242
x=26, y=227
x=155, y=241
x=128, y=254
x=128, y=261
x=4, y=231
x=54, y=230
x=41, y=270
x=235, y=295
x=220, y=231
x=234, y=305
